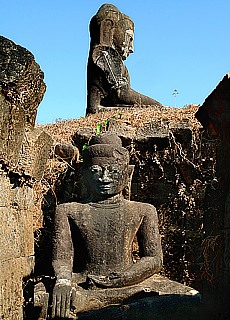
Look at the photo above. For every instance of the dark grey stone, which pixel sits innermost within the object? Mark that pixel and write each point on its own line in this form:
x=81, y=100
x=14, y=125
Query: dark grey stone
x=108, y=82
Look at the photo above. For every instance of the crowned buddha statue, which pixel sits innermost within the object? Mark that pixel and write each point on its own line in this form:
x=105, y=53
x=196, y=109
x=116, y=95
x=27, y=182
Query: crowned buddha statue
x=93, y=256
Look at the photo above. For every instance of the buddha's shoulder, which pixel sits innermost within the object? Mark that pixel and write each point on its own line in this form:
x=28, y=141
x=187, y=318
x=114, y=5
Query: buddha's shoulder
x=72, y=207
x=140, y=206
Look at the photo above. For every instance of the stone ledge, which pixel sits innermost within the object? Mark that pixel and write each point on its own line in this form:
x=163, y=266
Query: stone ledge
x=174, y=301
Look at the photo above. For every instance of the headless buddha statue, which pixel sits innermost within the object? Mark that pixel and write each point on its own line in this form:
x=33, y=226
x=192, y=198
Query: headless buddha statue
x=92, y=255
x=108, y=82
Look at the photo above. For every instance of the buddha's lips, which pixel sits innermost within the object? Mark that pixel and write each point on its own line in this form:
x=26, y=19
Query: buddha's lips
x=105, y=187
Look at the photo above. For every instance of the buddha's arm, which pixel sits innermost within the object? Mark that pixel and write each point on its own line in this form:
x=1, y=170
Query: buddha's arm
x=108, y=60
x=93, y=99
x=62, y=260
x=150, y=251
x=149, y=243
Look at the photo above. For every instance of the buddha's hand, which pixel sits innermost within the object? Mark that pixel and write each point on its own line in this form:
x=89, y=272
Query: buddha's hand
x=62, y=293
x=113, y=280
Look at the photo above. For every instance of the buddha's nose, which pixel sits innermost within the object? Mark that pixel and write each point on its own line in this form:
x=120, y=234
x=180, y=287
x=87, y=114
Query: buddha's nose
x=131, y=49
x=131, y=46
x=105, y=176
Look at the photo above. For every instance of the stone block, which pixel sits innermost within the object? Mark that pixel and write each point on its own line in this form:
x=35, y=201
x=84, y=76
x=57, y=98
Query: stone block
x=5, y=190
x=34, y=152
x=10, y=234
x=67, y=152
x=124, y=130
x=16, y=228
x=152, y=130
x=26, y=233
x=11, y=298
x=27, y=265
x=21, y=197
x=12, y=124
x=12, y=194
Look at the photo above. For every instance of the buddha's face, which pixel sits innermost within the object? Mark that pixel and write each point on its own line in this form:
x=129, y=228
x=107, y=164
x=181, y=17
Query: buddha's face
x=128, y=46
x=107, y=177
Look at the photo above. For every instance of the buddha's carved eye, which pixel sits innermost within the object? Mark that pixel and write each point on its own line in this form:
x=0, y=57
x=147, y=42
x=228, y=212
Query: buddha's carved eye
x=114, y=170
x=95, y=169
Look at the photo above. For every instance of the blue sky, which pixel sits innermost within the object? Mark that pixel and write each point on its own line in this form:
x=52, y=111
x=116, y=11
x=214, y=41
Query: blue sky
x=180, y=44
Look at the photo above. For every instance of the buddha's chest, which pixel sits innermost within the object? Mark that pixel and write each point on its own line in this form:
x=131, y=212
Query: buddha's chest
x=108, y=228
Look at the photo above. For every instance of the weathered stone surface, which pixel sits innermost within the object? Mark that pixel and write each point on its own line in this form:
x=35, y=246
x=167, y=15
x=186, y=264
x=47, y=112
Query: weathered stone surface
x=12, y=122
x=152, y=130
x=123, y=129
x=11, y=298
x=21, y=90
x=34, y=152
x=24, y=151
x=17, y=245
x=214, y=114
x=41, y=301
x=16, y=228
x=67, y=152
x=21, y=79
x=9, y=235
x=173, y=307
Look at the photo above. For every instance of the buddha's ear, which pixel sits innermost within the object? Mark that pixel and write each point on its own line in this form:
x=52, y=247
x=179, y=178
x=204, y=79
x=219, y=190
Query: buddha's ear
x=127, y=189
x=106, y=32
x=131, y=170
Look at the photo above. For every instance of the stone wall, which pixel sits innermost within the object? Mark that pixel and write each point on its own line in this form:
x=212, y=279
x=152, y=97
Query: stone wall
x=23, y=154
x=214, y=115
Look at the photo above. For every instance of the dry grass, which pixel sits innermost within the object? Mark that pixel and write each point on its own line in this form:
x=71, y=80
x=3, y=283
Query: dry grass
x=62, y=131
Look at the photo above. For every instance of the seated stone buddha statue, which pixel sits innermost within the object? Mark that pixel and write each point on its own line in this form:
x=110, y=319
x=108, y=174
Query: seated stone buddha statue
x=93, y=258
x=92, y=254
x=108, y=81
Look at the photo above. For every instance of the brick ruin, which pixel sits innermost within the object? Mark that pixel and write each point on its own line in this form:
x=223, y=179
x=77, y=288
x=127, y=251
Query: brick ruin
x=24, y=152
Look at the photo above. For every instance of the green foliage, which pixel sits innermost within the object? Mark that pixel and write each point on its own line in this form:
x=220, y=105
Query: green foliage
x=85, y=146
x=98, y=128
x=103, y=126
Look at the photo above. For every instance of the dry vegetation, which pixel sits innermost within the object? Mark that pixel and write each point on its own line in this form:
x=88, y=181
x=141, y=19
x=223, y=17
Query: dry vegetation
x=62, y=131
